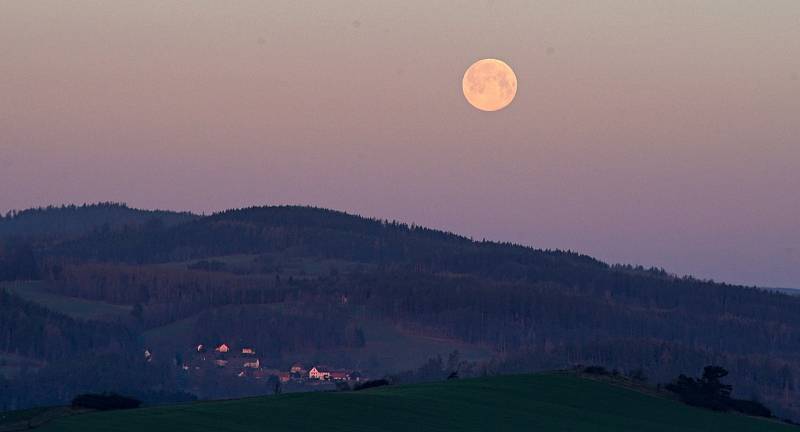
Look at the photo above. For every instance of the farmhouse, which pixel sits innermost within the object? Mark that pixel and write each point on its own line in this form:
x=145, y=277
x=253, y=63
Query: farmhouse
x=319, y=373
x=248, y=351
x=222, y=348
x=323, y=373
x=252, y=364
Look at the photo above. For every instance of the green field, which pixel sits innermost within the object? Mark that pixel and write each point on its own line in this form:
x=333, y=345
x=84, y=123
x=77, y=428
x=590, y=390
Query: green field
x=395, y=350
x=547, y=402
x=36, y=292
x=389, y=349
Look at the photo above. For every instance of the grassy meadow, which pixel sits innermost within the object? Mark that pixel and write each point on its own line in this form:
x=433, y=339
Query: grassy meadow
x=544, y=402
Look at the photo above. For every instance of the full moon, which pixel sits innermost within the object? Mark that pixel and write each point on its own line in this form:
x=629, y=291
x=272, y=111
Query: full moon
x=489, y=84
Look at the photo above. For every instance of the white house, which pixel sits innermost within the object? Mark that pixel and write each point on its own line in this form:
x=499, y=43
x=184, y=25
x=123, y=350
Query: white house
x=319, y=373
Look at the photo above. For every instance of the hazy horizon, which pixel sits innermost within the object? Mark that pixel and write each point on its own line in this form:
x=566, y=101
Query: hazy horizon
x=662, y=133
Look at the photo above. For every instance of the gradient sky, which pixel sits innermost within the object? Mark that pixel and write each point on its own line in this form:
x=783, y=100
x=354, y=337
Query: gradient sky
x=661, y=133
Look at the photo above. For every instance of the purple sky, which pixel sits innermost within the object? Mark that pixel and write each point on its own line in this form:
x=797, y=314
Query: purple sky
x=657, y=133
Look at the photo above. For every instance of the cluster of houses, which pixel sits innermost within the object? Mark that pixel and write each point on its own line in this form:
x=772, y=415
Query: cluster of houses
x=245, y=363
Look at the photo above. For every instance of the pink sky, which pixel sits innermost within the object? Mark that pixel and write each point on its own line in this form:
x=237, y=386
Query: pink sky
x=658, y=133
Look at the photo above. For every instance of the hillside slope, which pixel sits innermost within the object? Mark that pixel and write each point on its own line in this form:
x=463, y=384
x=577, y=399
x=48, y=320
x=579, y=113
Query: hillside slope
x=322, y=287
x=547, y=402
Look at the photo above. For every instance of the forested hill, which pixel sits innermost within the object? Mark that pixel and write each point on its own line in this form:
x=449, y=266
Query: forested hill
x=320, y=233
x=76, y=220
x=321, y=286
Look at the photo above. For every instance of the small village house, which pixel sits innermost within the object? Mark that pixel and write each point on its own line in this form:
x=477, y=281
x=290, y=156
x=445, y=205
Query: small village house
x=223, y=348
x=319, y=373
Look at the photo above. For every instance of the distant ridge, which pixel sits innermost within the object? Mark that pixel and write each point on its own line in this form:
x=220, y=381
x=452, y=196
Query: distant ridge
x=317, y=231
x=81, y=219
x=790, y=291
